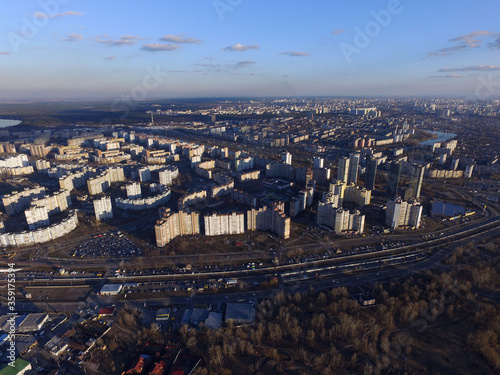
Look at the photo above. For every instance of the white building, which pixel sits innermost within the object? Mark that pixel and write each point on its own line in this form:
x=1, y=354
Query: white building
x=144, y=174
x=103, y=208
x=18, y=161
x=352, y=176
x=339, y=219
x=343, y=169
x=349, y=193
x=401, y=213
x=58, y=202
x=40, y=235
x=468, y=171
x=176, y=224
x=168, y=174
x=221, y=224
x=143, y=203
x=349, y=221
x=37, y=217
x=243, y=164
x=134, y=190
x=318, y=162
x=287, y=158
x=111, y=289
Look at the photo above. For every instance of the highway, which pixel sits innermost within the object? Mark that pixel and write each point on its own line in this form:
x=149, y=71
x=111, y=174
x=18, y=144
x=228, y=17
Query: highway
x=394, y=256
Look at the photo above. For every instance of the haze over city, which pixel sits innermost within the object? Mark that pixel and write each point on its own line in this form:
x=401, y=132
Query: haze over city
x=235, y=187
x=99, y=50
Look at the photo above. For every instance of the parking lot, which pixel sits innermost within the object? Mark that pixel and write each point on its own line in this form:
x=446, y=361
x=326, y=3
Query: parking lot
x=106, y=245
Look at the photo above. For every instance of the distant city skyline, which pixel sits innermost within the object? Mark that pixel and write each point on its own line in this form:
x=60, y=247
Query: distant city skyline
x=63, y=49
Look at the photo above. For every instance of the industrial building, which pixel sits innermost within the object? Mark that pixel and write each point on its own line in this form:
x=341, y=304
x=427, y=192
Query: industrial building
x=111, y=289
x=239, y=313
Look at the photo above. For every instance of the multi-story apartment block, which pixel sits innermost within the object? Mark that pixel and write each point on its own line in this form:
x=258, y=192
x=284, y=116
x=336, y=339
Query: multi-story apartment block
x=37, y=217
x=339, y=219
x=18, y=201
x=168, y=174
x=134, y=190
x=269, y=219
x=57, y=202
x=220, y=224
x=103, y=209
x=402, y=213
x=176, y=224
x=350, y=193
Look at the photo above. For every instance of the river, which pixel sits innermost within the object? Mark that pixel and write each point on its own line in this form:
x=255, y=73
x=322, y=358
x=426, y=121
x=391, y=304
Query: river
x=441, y=137
x=5, y=123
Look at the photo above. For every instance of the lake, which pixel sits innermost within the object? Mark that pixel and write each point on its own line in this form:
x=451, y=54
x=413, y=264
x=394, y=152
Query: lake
x=5, y=123
x=441, y=137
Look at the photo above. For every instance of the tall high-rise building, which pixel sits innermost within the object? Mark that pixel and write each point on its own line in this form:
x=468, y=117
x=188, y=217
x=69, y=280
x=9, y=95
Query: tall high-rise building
x=103, y=208
x=393, y=179
x=175, y=224
x=352, y=176
x=401, y=213
x=371, y=172
x=343, y=169
x=468, y=171
x=134, y=190
x=349, y=193
x=318, y=162
x=144, y=174
x=417, y=177
x=269, y=218
x=221, y=224
x=287, y=158
x=37, y=217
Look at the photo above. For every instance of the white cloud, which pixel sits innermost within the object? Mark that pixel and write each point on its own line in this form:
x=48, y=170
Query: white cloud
x=471, y=39
x=495, y=44
x=243, y=64
x=294, y=53
x=73, y=38
x=474, y=68
x=126, y=40
x=240, y=48
x=338, y=31
x=452, y=75
x=155, y=47
x=466, y=42
x=43, y=15
x=179, y=39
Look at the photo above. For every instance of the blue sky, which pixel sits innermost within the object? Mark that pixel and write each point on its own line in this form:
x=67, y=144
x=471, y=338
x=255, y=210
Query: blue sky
x=76, y=49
